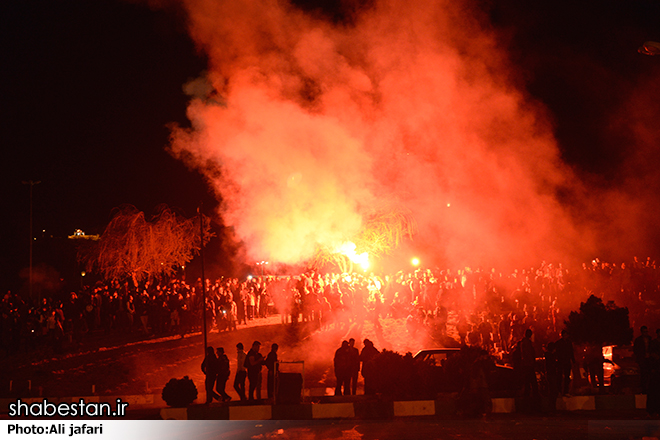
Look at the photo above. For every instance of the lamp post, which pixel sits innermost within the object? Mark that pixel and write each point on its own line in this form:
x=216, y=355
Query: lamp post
x=201, y=254
x=261, y=263
x=31, y=183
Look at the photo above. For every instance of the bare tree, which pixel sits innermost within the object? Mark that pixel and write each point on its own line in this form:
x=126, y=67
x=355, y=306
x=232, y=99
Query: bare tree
x=382, y=232
x=133, y=247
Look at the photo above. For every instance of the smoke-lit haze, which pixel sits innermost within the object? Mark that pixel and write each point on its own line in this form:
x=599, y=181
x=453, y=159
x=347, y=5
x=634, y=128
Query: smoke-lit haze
x=308, y=125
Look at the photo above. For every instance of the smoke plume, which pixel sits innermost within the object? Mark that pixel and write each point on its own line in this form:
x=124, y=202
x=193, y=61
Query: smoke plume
x=304, y=125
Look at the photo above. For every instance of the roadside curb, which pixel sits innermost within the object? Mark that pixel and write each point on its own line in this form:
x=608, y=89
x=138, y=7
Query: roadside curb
x=360, y=409
x=395, y=409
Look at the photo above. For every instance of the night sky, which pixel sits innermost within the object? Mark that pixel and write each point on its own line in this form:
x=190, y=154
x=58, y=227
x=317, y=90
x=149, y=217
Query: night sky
x=89, y=87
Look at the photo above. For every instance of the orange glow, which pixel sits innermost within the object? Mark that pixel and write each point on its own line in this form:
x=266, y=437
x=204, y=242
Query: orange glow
x=348, y=249
x=415, y=261
x=305, y=127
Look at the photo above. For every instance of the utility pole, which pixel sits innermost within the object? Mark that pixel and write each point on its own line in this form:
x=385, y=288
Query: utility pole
x=31, y=183
x=201, y=254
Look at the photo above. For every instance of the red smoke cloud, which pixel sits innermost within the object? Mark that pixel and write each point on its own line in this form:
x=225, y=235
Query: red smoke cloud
x=303, y=126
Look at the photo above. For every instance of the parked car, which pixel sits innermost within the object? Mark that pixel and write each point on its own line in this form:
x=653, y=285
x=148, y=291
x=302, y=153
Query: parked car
x=621, y=369
x=435, y=356
x=446, y=368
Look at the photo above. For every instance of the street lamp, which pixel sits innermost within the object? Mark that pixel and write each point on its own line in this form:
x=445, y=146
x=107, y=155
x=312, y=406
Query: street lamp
x=31, y=183
x=262, y=263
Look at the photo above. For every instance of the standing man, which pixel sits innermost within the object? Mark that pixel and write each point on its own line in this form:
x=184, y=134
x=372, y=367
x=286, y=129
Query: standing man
x=270, y=362
x=505, y=331
x=367, y=356
x=565, y=360
x=241, y=372
x=253, y=362
x=653, y=393
x=223, y=374
x=210, y=369
x=353, y=355
x=341, y=369
x=527, y=362
x=642, y=351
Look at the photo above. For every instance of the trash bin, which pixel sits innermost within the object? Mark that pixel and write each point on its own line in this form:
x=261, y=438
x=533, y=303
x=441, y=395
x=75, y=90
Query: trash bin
x=289, y=389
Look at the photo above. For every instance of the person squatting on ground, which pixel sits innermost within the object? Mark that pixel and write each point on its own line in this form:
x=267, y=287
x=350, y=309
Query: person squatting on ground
x=253, y=363
x=223, y=374
x=210, y=369
x=271, y=360
x=241, y=371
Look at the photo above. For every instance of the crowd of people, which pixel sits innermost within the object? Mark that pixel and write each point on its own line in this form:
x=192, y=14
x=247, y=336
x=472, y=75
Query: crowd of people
x=349, y=362
x=470, y=306
x=249, y=365
x=154, y=308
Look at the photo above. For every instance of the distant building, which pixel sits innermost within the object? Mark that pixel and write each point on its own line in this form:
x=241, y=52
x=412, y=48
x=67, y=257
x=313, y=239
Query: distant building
x=79, y=234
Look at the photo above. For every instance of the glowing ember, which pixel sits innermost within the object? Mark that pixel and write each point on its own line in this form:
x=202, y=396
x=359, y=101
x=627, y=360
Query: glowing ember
x=348, y=249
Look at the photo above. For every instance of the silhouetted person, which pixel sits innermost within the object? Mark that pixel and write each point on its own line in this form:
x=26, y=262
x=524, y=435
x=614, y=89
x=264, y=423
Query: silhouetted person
x=341, y=369
x=527, y=361
x=594, y=364
x=223, y=374
x=505, y=331
x=485, y=330
x=241, y=372
x=474, y=398
x=565, y=360
x=463, y=328
x=253, y=362
x=271, y=360
x=551, y=369
x=653, y=393
x=367, y=356
x=210, y=369
x=353, y=356
x=642, y=351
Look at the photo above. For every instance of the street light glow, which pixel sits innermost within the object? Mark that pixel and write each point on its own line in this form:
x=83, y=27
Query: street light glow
x=415, y=261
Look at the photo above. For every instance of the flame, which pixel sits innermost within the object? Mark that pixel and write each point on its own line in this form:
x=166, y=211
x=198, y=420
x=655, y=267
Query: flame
x=348, y=248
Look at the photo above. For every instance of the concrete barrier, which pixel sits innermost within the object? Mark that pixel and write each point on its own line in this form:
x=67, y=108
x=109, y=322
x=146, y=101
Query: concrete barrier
x=359, y=408
x=414, y=408
x=333, y=411
x=576, y=403
x=605, y=403
x=640, y=401
x=174, y=413
x=255, y=412
x=504, y=405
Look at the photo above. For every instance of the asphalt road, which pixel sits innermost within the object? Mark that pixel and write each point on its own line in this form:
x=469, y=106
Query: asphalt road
x=514, y=428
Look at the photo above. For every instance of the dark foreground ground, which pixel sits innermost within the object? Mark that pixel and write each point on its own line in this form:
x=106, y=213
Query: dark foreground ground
x=514, y=428
x=143, y=367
